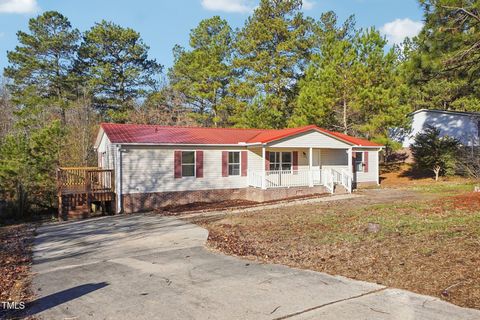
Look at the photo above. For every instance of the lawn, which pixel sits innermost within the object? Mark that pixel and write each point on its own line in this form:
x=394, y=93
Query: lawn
x=428, y=239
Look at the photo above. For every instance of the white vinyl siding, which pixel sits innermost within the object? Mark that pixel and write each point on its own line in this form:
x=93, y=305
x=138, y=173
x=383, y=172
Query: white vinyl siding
x=312, y=139
x=464, y=127
x=151, y=169
x=147, y=169
x=372, y=174
x=334, y=158
x=106, y=150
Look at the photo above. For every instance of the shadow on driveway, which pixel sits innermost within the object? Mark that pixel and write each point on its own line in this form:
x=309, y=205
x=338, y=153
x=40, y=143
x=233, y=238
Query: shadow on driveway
x=58, y=298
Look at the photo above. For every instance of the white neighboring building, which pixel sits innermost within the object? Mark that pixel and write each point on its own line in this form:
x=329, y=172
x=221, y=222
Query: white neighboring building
x=464, y=126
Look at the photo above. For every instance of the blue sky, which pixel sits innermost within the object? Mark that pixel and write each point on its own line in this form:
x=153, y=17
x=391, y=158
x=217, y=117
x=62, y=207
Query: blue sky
x=164, y=23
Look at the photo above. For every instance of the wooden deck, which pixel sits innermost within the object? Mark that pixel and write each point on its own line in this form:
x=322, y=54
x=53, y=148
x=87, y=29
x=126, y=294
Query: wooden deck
x=83, y=189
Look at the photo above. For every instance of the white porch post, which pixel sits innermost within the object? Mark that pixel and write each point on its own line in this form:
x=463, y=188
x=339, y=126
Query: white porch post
x=378, y=167
x=310, y=165
x=350, y=167
x=264, y=185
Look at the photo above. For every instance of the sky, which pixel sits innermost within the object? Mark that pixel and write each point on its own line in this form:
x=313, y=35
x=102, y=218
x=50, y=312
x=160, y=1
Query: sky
x=164, y=23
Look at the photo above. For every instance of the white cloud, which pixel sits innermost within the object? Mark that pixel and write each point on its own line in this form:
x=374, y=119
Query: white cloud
x=397, y=30
x=18, y=6
x=308, y=4
x=2, y=34
x=238, y=6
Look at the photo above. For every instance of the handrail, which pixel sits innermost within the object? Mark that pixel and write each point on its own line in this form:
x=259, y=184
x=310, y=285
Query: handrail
x=85, y=180
x=328, y=179
x=344, y=178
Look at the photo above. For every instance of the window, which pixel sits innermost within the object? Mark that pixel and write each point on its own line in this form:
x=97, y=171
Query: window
x=280, y=161
x=359, y=161
x=188, y=163
x=234, y=163
x=286, y=161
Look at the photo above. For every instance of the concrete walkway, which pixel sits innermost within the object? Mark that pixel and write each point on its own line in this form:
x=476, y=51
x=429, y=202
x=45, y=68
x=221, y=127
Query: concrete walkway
x=152, y=267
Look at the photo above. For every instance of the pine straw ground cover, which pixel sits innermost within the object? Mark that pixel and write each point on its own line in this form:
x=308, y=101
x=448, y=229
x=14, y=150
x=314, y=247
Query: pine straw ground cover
x=15, y=262
x=429, y=239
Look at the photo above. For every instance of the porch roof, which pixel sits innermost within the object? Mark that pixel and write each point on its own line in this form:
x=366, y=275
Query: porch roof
x=169, y=135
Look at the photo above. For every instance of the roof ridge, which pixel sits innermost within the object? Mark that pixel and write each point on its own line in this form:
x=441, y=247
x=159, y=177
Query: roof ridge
x=132, y=132
x=184, y=127
x=213, y=128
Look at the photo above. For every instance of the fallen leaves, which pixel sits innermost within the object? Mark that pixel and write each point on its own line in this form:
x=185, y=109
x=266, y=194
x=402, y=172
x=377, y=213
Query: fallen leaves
x=15, y=262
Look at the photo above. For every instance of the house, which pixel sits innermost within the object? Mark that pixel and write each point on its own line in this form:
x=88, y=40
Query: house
x=464, y=126
x=155, y=166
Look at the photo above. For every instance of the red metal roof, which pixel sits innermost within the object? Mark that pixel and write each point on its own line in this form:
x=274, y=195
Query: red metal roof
x=153, y=134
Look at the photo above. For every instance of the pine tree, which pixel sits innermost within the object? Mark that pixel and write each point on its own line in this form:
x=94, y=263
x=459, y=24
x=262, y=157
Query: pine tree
x=270, y=56
x=40, y=67
x=444, y=70
x=114, y=64
x=352, y=85
x=435, y=152
x=203, y=74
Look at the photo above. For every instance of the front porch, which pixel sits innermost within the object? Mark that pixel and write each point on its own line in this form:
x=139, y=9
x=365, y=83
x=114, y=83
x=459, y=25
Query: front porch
x=302, y=167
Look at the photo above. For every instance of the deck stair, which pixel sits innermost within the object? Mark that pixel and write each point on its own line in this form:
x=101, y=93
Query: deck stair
x=84, y=191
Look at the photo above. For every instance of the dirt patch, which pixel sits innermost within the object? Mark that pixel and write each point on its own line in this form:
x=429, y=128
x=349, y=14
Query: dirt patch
x=225, y=205
x=405, y=175
x=426, y=242
x=15, y=262
x=465, y=202
x=204, y=206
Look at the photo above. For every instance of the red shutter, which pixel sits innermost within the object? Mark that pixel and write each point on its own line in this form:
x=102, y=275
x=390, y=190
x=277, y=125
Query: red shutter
x=199, y=164
x=178, y=164
x=244, y=164
x=365, y=159
x=295, y=160
x=224, y=163
x=267, y=160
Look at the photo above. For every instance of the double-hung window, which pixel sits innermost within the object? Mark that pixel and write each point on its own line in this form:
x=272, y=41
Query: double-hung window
x=359, y=161
x=280, y=161
x=188, y=163
x=234, y=163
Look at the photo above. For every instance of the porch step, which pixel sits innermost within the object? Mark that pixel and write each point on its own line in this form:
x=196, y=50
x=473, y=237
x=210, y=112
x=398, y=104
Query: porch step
x=339, y=189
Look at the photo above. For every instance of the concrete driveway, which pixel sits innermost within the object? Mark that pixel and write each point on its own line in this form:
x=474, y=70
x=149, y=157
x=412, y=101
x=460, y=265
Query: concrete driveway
x=152, y=267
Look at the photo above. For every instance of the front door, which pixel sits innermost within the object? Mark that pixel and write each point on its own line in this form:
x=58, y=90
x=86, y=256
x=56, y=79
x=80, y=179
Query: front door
x=316, y=167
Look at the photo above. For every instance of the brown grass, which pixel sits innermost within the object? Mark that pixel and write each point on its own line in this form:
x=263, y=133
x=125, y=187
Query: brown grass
x=404, y=174
x=428, y=242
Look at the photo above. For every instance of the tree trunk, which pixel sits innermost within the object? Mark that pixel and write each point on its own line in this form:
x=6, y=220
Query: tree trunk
x=345, y=125
x=436, y=170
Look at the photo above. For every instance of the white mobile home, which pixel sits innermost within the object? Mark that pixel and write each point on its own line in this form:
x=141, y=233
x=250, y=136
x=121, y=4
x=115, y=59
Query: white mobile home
x=155, y=166
x=464, y=126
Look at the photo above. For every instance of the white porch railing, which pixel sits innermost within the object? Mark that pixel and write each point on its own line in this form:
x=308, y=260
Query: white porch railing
x=284, y=178
x=343, y=178
x=327, y=177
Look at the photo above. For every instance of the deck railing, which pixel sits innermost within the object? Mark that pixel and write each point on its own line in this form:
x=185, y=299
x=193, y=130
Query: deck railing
x=85, y=180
